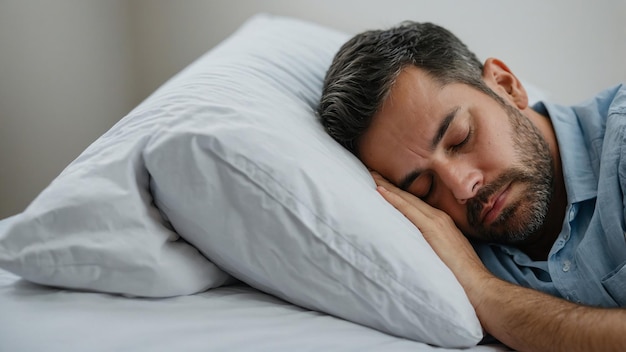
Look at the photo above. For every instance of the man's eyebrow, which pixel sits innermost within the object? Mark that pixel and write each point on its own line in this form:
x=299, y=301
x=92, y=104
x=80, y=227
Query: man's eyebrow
x=441, y=131
x=443, y=127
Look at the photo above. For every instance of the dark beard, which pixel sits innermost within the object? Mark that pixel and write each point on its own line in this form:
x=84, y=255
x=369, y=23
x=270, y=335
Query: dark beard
x=522, y=221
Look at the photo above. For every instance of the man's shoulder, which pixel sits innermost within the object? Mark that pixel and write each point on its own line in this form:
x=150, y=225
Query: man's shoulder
x=589, y=119
x=595, y=109
x=602, y=104
x=618, y=101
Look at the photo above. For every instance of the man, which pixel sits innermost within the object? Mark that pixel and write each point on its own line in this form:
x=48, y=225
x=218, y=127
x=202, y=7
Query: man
x=538, y=191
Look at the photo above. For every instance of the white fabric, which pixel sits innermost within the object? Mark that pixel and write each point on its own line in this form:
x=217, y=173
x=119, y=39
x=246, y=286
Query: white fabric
x=232, y=155
x=95, y=227
x=230, y=319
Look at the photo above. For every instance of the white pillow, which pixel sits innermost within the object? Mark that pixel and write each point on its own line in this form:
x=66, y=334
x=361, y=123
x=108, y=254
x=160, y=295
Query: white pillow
x=246, y=173
x=95, y=227
x=239, y=165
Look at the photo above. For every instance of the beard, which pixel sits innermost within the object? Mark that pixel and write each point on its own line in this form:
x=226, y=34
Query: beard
x=519, y=222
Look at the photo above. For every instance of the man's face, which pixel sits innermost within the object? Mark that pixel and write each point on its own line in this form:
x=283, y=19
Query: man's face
x=461, y=151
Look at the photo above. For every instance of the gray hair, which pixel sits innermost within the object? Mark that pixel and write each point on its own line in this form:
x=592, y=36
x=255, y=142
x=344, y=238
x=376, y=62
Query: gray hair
x=366, y=67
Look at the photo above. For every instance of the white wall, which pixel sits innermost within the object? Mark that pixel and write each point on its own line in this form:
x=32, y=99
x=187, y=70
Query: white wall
x=70, y=68
x=65, y=78
x=571, y=48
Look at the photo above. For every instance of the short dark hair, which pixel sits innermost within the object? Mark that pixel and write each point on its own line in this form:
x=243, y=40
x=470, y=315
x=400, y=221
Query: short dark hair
x=366, y=67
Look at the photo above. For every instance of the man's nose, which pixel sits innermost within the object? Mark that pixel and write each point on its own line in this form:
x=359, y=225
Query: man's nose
x=461, y=179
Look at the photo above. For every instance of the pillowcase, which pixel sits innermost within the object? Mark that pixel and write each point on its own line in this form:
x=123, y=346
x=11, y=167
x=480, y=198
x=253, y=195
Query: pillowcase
x=246, y=173
x=95, y=227
x=229, y=156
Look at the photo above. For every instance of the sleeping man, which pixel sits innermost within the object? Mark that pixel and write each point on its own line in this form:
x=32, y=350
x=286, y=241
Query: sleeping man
x=524, y=204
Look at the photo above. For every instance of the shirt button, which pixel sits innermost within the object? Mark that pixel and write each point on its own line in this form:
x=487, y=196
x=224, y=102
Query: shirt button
x=566, y=236
x=566, y=265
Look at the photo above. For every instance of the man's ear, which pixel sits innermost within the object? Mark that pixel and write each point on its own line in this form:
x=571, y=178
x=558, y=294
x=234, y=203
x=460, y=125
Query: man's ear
x=501, y=80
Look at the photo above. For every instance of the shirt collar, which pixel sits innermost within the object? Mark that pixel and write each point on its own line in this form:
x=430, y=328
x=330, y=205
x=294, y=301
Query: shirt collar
x=581, y=182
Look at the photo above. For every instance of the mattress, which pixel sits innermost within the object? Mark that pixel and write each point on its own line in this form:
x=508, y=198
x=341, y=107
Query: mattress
x=228, y=318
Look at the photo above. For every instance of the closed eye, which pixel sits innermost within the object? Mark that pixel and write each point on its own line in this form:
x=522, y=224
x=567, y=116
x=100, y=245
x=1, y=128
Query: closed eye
x=431, y=187
x=418, y=183
x=423, y=187
x=466, y=140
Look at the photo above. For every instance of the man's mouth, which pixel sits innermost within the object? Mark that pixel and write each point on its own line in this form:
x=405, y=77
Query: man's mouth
x=493, y=208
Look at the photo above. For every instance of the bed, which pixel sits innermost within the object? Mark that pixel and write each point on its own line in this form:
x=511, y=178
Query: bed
x=218, y=215
x=234, y=318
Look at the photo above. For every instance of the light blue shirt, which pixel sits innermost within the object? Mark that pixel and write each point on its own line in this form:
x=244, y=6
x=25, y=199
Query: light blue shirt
x=587, y=263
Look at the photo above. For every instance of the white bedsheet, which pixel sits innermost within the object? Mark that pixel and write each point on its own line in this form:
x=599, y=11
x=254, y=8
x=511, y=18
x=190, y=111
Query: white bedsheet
x=234, y=318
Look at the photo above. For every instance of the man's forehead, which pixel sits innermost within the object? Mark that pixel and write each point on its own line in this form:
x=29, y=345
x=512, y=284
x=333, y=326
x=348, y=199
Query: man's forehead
x=415, y=108
x=413, y=119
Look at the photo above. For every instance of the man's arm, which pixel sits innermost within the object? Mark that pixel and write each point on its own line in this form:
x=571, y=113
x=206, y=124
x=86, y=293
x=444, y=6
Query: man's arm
x=523, y=319
x=528, y=320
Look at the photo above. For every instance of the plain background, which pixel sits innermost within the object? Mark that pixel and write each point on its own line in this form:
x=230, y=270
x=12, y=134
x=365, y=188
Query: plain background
x=70, y=69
